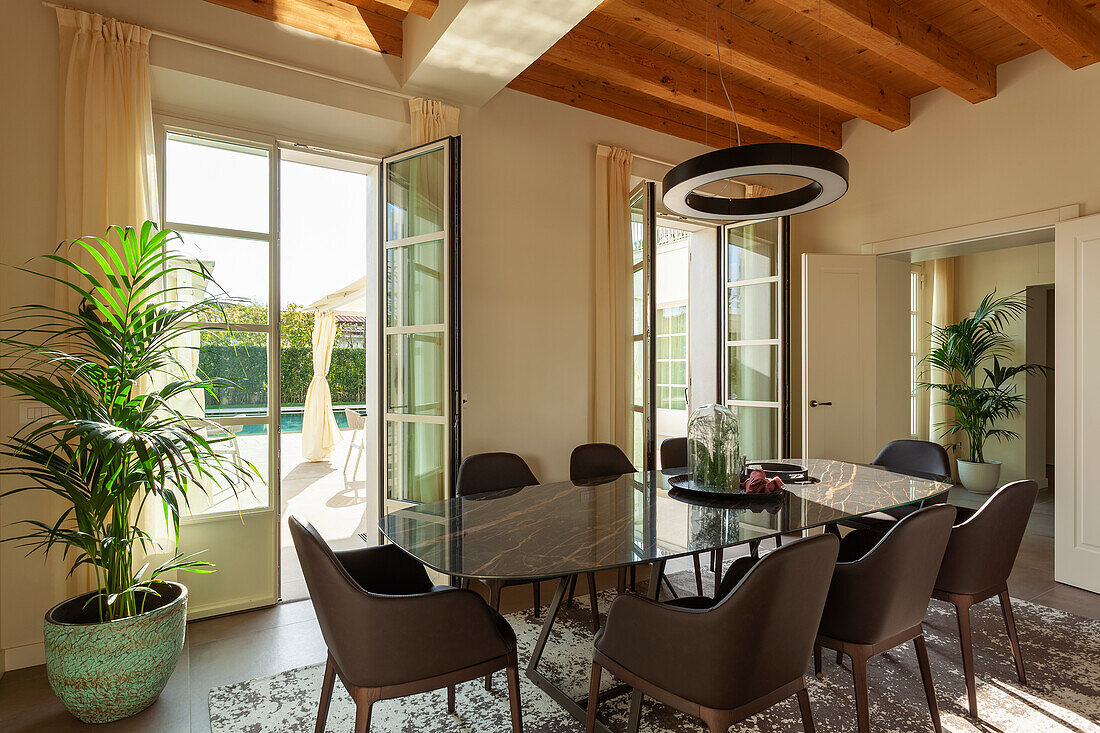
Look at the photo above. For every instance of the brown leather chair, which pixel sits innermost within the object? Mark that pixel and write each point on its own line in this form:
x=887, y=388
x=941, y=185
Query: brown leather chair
x=978, y=561
x=921, y=458
x=728, y=662
x=593, y=461
x=588, y=464
x=877, y=601
x=390, y=633
x=674, y=453
x=482, y=473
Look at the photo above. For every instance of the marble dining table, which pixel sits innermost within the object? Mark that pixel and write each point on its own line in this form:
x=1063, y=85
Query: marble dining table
x=558, y=530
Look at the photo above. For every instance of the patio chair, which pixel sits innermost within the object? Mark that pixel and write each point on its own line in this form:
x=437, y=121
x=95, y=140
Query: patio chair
x=358, y=440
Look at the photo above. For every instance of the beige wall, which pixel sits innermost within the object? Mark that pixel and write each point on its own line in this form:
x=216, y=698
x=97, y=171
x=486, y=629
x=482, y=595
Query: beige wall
x=1035, y=146
x=529, y=173
x=1007, y=271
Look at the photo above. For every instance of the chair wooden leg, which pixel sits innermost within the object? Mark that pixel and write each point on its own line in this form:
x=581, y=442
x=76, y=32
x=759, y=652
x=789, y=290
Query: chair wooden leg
x=348, y=459
x=635, y=712
x=592, y=601
x=717, y=571
x=572, y=590
x=633, y=578
x=513, y=697
x=364, y=701
x=536, y=590
x=839, y=658
x=962, y=610
x=778, y=541
x=1010, y=625
x=863, y=705
x=804, y=708
x=450, y=698
x=326, y=695
x=620, y=582
x=593, y=698
x=495, y=587
x=698, y=574
x=926, y=677
x=718, y=721
x=817, y=662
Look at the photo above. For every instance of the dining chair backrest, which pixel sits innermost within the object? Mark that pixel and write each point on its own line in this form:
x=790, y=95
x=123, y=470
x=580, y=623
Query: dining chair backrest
x=674, y=453
x=598, y=460
x=381, y=619
x=914, y=457
x=355, y=420
x=484, y=472
x=886, y=591
x=983, y=548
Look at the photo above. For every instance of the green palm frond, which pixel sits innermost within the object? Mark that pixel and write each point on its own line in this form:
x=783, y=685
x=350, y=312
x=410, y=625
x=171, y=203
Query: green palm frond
x=113, y=442
x=975, y=383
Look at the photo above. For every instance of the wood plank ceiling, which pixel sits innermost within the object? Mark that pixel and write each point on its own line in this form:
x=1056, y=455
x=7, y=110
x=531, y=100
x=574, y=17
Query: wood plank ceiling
x=786, y=62
x=794, y=69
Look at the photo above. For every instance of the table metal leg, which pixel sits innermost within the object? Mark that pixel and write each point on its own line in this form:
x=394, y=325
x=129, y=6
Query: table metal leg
x=578, y=708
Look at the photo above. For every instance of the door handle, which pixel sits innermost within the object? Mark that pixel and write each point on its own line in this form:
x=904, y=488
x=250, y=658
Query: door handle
x=815, y=403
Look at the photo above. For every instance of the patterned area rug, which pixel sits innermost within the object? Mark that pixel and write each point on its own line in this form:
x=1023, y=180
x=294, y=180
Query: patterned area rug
x=1061, y=656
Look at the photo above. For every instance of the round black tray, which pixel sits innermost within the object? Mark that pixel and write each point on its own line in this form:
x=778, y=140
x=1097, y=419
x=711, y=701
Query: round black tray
x=772, y=502
x=683, y=483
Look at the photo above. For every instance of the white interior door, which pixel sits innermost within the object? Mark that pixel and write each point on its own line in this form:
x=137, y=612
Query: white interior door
x=838, y=356
x=1076, y=402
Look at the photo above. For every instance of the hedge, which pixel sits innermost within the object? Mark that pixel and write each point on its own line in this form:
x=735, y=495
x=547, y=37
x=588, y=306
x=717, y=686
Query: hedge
x=247, y=366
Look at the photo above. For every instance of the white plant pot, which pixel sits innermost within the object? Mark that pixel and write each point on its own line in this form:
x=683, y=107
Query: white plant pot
x=980, y=478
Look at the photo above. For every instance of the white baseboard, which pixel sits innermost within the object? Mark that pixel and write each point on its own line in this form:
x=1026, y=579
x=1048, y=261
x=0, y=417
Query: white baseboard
x=1043, y=483
x=18, y=657
x=197, y=613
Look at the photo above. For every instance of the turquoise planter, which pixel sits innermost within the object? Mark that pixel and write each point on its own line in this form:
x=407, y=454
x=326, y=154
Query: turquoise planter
x=108, y=671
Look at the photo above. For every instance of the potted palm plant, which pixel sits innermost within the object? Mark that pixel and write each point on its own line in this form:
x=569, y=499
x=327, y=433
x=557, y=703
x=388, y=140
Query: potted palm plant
x=977, y=386
x=115, y=442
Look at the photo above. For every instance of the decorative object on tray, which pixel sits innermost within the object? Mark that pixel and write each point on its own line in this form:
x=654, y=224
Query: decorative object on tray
x=754, y=484
x=714, y=449
x=791, y=473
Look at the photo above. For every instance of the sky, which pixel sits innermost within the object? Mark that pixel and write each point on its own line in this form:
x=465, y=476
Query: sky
x=323, y=219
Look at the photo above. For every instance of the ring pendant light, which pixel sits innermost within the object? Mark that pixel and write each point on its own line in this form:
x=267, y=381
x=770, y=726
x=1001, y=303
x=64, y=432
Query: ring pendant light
x=825, y=170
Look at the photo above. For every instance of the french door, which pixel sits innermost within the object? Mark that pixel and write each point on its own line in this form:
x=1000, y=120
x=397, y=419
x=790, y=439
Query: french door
x=643, y=236
x=755, y=335
x=420, y=439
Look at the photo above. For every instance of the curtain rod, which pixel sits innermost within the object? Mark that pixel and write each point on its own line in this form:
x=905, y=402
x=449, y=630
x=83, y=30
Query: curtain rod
x=262, y=60
x=603, y=151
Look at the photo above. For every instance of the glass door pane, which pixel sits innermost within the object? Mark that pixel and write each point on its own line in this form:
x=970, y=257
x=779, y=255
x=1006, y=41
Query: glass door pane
x=419, y=351
x=756, y=356
x=643, y=237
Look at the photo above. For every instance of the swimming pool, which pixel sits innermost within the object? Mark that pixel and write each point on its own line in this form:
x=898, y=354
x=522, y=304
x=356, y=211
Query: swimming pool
x=291, y=422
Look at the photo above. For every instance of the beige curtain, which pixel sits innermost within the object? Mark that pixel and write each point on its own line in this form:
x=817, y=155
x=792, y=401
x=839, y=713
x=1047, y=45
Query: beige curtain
x=320, y=433
x=106, y=158
x=611, y=405
x=431, y=120
x=943, y=314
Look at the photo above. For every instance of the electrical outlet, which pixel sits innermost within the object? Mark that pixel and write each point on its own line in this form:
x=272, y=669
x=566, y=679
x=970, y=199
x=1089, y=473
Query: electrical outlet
x=31, y=411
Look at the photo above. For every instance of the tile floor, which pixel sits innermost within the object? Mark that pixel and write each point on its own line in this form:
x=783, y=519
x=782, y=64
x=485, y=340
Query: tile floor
x=258, y=643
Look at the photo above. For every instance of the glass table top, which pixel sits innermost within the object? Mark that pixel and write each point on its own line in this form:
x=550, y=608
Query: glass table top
x=563, y=528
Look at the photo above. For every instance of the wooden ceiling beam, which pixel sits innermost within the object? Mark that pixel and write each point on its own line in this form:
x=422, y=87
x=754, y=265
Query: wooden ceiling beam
x=891, y=31
x=337, y=20
x=690, y=24
x=1064, y=27
x=587, y=50
x=423, y=8
x=546, y=80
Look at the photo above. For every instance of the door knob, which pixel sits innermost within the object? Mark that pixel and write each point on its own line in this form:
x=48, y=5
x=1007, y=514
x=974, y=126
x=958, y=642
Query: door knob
x=815, y=403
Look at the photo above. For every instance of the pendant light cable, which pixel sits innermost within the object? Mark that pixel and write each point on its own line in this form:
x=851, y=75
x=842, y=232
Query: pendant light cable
x=722, y=76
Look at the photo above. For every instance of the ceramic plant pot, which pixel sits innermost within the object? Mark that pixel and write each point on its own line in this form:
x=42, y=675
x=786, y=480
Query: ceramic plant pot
x=980, y=478
x=108, y=671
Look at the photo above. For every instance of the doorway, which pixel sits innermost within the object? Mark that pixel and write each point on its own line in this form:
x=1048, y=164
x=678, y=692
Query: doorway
x=326, y=212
